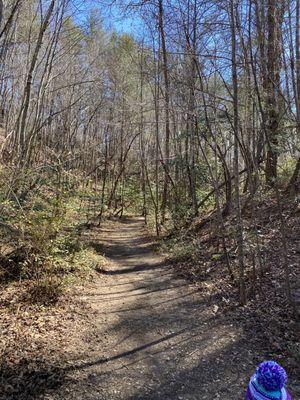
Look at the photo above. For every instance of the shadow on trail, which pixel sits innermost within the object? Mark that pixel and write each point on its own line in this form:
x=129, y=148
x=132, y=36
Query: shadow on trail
x=138, y=268
x=159, y=340
x=116, y=250
x=153, y=305
x=126, y=353
x=27, y=382
x=213, y=378
x=110, y=296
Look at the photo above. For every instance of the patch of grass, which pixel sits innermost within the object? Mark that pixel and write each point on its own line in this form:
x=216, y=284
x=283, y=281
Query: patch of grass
x=84, y=264
x=181, y=249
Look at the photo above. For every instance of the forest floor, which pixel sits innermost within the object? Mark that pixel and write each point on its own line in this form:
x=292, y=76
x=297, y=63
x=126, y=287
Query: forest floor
x=144, y=333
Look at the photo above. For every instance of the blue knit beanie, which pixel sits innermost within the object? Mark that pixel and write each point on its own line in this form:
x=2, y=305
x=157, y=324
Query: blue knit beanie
x=268, y=383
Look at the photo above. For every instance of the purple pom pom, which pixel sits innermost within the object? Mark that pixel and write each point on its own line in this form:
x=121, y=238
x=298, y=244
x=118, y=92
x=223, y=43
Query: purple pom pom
x=271, y=376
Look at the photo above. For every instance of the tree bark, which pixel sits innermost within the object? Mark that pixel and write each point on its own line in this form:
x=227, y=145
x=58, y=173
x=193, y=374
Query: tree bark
x=239, y=221
x=274, y=16
x=167, y=109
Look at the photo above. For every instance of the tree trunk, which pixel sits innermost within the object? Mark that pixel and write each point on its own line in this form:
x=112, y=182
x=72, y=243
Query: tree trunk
x=167, y=109
x=274, y=17
x=239, y=221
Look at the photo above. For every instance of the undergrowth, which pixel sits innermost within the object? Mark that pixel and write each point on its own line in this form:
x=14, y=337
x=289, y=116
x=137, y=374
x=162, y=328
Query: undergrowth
x=40, y=235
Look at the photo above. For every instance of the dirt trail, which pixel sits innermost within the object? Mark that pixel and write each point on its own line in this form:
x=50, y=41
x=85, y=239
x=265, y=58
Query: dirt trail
x=152, y=336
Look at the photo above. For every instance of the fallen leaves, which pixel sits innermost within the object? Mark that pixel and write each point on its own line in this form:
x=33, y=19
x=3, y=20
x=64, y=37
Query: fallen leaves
x=32, y=341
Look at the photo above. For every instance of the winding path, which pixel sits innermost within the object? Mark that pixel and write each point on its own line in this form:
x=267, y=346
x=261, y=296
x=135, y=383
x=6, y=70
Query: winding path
x=152, y=335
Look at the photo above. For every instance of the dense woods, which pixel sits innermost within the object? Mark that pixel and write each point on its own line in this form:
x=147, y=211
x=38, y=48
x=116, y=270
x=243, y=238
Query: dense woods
x=191, y=121
x=204, y=110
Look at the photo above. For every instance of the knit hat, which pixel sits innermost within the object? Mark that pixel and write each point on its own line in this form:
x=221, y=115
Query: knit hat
x=268, y=383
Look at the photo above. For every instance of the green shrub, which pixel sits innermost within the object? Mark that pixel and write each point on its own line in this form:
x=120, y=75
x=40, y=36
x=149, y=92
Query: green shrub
x=41, y=237
x=181, y=250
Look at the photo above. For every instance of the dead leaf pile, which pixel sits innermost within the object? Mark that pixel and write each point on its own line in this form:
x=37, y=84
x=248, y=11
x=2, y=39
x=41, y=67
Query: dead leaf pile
x=35, y=341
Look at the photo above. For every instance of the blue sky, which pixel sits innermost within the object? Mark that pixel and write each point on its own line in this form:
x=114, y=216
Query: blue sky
x=113, y=17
